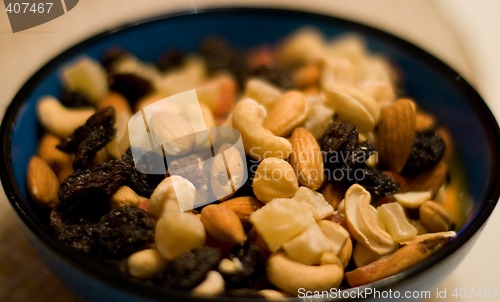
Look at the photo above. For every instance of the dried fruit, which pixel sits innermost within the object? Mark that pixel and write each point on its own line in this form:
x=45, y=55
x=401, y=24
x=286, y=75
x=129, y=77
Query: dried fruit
x=86, y=192
x=143, y=184
x=427, y=150
x=275, y=74
x=75, y=235
x=280, y=220
x=308, y=246
x=171, y=59
x=132, y=86
x=320, y=208
x=74, y=98
x=122, y=231
x=86, y=140
x=396, y=222
x=190, y=268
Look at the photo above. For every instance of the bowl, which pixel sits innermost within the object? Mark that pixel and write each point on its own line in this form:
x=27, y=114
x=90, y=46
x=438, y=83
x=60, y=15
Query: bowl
x=438, y=89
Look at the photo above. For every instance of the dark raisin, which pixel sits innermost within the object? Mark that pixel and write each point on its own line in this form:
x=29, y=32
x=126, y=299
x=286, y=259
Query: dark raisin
x=132, y=86
x=112, y=56
x=73, y=99
x=250, y=258
x=219, y=55
x=275, y=74
x=427, y=150
x=122, y=231
x=243, y=293
x=75, y=235
x=342, y=136
x=86, y=192
x=89, y=138
x=190, y=268
x=171, y=59
x=143, y=184
x=345, y=161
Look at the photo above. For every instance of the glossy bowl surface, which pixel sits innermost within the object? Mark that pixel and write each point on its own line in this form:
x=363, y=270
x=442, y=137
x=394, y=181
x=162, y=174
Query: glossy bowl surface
x=434, y=85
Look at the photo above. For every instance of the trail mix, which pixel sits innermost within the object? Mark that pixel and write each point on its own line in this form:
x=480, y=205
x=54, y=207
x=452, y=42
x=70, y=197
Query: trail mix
x=346, y=175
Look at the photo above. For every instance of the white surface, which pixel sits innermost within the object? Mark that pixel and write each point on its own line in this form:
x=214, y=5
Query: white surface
x=476, y=55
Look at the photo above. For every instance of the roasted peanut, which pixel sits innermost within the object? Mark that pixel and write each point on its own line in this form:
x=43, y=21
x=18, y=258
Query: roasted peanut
x=434, y=217
x=274, y=178
x=146, y=263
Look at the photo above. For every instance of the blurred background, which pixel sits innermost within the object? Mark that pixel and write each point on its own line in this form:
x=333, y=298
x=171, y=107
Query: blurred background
x=463, y=33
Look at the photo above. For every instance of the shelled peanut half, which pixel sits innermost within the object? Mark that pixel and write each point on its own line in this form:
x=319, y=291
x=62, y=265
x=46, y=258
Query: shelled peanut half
x=346, y=185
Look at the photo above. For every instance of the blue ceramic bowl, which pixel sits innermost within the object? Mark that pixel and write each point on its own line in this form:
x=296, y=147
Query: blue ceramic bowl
x=435, y=86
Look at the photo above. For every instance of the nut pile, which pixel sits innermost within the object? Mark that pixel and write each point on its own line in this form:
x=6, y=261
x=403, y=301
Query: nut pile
x=346, y=177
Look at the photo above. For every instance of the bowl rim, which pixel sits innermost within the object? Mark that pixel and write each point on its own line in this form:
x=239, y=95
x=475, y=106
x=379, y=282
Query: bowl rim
x=88, y=266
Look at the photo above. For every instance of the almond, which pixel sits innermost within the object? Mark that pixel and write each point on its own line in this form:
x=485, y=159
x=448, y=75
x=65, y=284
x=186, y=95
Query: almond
x=222, y=223
x=430, y=180
x=42, y=182
x=396, y=130
x=289, y=111
x=243, y=206
x=306, y=159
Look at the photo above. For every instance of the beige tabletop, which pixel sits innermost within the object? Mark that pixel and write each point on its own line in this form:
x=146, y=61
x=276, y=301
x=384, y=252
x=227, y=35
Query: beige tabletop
x=460, y=32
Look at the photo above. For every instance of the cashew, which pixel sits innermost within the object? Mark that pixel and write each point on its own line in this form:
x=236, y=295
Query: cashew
x=212, y=285
x=363, y=221
x=289, y=111
x=146, y=263
x=292, y=50
x=59, y=120
x=230, y=266
x=179, y=191
x=290, y=275
x=260, y=143
x=396, y=222
x=274, y=178
x=414, y=199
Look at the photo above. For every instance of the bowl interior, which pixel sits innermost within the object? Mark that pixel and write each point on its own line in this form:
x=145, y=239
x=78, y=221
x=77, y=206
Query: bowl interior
x=434, y=86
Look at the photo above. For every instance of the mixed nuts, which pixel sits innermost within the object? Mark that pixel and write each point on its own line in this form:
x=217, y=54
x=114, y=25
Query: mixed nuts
x=346, y=176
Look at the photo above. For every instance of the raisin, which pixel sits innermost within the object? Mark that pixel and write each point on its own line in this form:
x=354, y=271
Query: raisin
x=87, y=139
x=112, y=56
x=143, y=184
x=427, y=150
x=133, y=87
x=275, y=74
x=190, y=268
x=345, y=161
x=122, y=231
x=219, y=55
x=250, y=258
x=171, y=59
x=74, y=99
x=343, y=136
x=86, y=192
x=75, y=235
